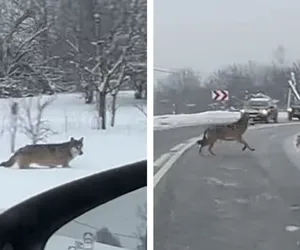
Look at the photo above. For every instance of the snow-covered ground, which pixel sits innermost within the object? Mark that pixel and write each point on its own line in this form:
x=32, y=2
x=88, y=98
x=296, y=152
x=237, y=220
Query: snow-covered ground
x=70, y=117
x=58, y=242
x=204, y=118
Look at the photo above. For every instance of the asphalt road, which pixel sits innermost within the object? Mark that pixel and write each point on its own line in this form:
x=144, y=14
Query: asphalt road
x=164, y=140
x=235, y=200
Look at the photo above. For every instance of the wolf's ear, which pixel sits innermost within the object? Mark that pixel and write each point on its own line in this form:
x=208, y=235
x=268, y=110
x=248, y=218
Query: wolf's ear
x=72, y=139
x=81, y=139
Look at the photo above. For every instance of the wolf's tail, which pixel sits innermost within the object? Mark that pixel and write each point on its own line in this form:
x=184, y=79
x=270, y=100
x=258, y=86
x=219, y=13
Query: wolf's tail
x=203, y=140
x=11, y=161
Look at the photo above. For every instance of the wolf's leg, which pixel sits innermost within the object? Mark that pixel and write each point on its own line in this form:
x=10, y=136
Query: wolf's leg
x=200, y=148
x=202, y=144
x=210, y=148
x=23, y=163
x=24, y=166
x=246, y=145
x=66, y=165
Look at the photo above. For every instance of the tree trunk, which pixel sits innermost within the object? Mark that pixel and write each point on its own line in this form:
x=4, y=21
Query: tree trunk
x=102, y=108
x=113, y=110
x=146, y=91
x=89, y=94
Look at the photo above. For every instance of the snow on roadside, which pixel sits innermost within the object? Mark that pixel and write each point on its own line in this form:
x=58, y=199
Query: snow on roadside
x=204, y=118
x=185, y=120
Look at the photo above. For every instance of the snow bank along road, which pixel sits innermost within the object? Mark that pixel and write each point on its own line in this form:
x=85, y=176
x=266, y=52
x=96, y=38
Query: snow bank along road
x=235, y=200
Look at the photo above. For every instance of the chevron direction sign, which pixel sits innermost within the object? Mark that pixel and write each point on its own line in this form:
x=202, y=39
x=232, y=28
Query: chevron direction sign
x=220, y=95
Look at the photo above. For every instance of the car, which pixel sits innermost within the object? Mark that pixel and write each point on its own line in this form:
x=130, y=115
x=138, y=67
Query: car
x=32, y=223
x=294, y=111
x=262, y=110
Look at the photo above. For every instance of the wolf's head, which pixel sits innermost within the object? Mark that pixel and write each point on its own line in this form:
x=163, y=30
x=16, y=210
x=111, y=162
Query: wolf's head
x=76, y=146
x=245, y=116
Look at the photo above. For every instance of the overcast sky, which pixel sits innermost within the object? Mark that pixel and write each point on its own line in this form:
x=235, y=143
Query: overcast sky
x=207, y=34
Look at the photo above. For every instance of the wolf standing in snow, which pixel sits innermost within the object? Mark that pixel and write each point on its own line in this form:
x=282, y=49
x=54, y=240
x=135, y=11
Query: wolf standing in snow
x=52, y=155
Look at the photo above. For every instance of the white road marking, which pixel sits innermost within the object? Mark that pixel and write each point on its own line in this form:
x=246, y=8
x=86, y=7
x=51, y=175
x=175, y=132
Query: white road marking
x=162, y=159
x=164, y=169
x=292, y=228
x=191, y=142
x=178, y=147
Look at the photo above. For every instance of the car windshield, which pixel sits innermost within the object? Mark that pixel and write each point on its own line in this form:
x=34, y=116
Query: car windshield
x=55, y=126
x=258, y=103
x=227, y=170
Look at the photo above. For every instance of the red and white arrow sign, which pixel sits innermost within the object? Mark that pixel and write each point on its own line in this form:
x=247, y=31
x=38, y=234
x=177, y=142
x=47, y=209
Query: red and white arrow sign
x=220, y=95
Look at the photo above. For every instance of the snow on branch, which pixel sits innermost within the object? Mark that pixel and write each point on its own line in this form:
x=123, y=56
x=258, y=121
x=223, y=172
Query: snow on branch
x=115, y=85
x=27, y=14
x=141, y=107
x=73, y=46
x=104, y=84
x=31, y=38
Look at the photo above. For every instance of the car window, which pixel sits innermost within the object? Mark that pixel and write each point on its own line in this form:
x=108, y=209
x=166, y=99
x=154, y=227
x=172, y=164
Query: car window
x=55, y=127
x=258, y=103
x=226, y=175
x=118, y=224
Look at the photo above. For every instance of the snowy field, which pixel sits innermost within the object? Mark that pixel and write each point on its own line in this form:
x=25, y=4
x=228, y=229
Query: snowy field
x=70, y=117
x=60, y=241
x=204, y=118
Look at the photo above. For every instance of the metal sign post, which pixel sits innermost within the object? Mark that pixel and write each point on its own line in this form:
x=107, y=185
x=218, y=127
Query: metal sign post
x=292, y=90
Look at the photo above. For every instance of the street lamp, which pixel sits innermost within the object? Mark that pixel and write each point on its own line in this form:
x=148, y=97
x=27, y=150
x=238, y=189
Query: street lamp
x=97, y=16
x=97, y=20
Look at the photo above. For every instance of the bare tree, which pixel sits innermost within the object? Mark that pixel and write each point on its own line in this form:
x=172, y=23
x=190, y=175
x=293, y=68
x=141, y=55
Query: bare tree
x=141, y=106
x=178, y=90
x=115, y=86
x=118, y=50
x=42, y=41
x=279, y=55
x=36, y=128
x=22, y=67
x=106, y=237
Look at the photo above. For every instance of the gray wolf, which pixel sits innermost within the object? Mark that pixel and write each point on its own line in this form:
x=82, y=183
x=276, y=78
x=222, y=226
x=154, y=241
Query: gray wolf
x=226, y=132
x=51, y=155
